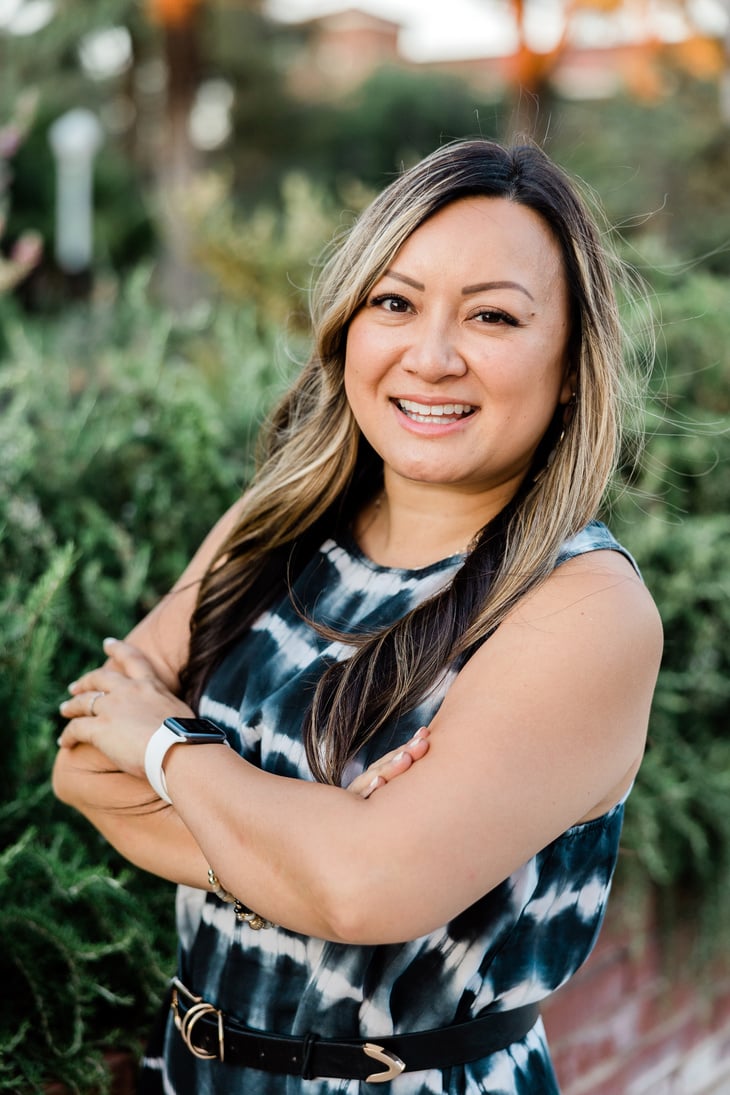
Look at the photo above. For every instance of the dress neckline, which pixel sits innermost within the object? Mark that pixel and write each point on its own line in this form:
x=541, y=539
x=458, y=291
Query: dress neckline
x=348, y=543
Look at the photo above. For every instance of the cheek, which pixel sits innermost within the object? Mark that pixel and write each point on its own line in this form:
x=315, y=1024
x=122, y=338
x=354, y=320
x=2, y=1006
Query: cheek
x=357, y=386
x=353, y=350
x=532, y=391
x=534, y=376
x=351, y=380
x=549, y=363
x=362, y=370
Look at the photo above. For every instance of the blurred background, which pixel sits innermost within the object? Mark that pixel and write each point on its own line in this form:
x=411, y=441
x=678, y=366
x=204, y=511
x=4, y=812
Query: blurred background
x=170, y=171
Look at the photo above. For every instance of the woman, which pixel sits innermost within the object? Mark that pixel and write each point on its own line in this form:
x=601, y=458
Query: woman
x=418, y=550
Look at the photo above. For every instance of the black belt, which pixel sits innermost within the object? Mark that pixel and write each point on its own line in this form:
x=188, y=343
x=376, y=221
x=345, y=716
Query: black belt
x=212, y=1036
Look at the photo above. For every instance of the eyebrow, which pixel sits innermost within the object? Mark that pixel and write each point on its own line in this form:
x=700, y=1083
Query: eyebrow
x=480, y=287
x=407, y=281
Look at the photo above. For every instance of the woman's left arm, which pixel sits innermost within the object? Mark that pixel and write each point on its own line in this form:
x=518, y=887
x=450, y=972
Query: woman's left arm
x=544, y=727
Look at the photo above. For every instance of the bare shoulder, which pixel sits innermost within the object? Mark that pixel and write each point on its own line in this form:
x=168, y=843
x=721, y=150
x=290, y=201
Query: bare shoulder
x=595, y=589
x=562, y=690
x=591, y=629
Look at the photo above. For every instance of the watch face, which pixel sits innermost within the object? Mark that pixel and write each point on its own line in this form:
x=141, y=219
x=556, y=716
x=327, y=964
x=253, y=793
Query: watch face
x=196, y=731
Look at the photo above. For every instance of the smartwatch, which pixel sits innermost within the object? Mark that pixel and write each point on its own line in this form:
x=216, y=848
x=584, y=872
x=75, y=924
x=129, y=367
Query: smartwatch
x=176, y=731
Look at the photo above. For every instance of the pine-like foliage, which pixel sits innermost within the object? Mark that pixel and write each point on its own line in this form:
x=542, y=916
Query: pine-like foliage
x=124, y=435
x=676, y=519
x=82, y=965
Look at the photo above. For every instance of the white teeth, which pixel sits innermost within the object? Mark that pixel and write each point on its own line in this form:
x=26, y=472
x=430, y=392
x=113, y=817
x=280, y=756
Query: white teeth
x=438, y=410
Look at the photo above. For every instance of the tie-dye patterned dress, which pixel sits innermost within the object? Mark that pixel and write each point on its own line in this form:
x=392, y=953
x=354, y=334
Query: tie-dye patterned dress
x=515, y=945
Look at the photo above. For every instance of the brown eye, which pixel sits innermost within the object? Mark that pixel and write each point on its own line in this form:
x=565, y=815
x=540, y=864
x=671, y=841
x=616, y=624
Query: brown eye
x=494, y=317
x=390, y=302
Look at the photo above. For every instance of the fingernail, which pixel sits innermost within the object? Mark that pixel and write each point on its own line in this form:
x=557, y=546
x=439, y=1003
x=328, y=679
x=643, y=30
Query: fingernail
x=109, y=641
x=398, y=757
x=62, y=705
x=375, y=782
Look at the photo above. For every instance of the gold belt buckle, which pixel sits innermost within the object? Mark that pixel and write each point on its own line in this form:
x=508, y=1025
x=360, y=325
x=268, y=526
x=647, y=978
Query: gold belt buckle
x=186, y=1023
x=394, y=1063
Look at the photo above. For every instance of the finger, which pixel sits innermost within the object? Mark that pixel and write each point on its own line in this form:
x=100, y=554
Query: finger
x=394, y=762
x=129, y=659
x=376, y=782
x=76, y=731
x=391, y=765
x=85, y=704
x=398, y=764
x=102, y=679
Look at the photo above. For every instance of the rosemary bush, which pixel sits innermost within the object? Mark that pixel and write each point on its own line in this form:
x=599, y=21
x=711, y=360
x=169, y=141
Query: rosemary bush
x=124, y=434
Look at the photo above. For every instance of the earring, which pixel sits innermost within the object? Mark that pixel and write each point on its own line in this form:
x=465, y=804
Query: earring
x=568, y=413
x=569, y=410
x=554, y=451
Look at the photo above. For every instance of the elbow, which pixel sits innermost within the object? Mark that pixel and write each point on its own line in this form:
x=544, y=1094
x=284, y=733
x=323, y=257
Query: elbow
x=72, y=770
x=60, y=782
x=366, y=893
x=362, y=911
x=344, y=923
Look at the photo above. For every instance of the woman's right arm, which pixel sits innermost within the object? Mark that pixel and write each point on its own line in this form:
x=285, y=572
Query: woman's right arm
x=127, y=812
x=83, y=777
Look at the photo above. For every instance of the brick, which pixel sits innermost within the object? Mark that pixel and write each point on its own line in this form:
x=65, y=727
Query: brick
x=633, y=1023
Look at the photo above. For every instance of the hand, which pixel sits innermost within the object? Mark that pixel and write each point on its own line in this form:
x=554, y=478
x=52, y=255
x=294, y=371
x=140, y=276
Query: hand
x=393, y=764
x=118, y=707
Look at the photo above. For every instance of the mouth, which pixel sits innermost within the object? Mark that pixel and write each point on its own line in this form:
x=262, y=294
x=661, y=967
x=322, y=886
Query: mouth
x=437, y=413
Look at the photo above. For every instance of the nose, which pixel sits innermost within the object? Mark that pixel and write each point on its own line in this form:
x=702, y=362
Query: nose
x=433, y=351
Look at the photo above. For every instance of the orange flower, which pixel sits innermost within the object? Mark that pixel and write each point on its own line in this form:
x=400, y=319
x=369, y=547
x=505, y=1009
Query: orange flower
x=172, y=13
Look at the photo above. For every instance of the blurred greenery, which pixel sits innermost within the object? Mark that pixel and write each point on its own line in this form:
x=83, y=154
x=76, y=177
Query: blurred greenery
x=125, y=434
x=126, y=428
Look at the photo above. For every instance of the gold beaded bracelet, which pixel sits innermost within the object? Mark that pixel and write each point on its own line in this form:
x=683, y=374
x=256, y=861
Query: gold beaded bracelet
x=243, y=915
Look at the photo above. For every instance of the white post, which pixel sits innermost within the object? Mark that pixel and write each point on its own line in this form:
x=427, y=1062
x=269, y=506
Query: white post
x=74, y=138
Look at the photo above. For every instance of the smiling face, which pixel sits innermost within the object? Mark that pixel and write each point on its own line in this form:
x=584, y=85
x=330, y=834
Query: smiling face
x=457, y=360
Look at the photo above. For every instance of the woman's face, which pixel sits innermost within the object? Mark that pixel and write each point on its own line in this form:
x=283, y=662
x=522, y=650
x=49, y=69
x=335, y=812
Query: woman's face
x=457, y=360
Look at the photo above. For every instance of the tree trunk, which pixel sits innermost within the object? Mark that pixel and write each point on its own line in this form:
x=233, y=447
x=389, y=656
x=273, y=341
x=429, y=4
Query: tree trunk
x=180, y=281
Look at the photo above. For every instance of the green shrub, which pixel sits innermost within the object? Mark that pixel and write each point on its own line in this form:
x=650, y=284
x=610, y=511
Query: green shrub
x=676, y=519
x=678, y=818
x=124, y=435
x=87, y=942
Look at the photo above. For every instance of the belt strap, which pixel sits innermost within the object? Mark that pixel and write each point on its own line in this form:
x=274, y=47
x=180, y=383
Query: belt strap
x=211, y=1035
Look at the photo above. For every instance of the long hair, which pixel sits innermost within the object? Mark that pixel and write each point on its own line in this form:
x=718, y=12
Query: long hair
x=316, y=471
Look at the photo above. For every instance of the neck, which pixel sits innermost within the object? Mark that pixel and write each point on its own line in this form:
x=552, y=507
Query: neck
x=414, y=524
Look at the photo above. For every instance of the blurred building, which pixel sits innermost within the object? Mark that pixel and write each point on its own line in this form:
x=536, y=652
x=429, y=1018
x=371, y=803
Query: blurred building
x=341, y=49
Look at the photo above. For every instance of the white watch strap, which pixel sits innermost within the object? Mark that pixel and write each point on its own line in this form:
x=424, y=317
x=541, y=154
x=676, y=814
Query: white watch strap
x=162, y=740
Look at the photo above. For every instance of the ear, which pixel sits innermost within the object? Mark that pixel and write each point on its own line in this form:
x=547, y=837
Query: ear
x=568, y=390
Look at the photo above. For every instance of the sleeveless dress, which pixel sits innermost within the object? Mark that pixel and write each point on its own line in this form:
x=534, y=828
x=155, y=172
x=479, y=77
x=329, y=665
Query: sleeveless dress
x=513, y=946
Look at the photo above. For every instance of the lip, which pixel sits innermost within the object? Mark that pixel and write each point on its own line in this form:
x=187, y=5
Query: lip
x=437, y=424
x=430, y=400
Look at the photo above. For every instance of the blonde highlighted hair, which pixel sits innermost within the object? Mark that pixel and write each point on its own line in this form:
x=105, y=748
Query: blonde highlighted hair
x=316, y=471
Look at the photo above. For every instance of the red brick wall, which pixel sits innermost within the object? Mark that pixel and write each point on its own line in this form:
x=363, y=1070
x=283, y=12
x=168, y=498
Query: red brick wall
x=631, y=1023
